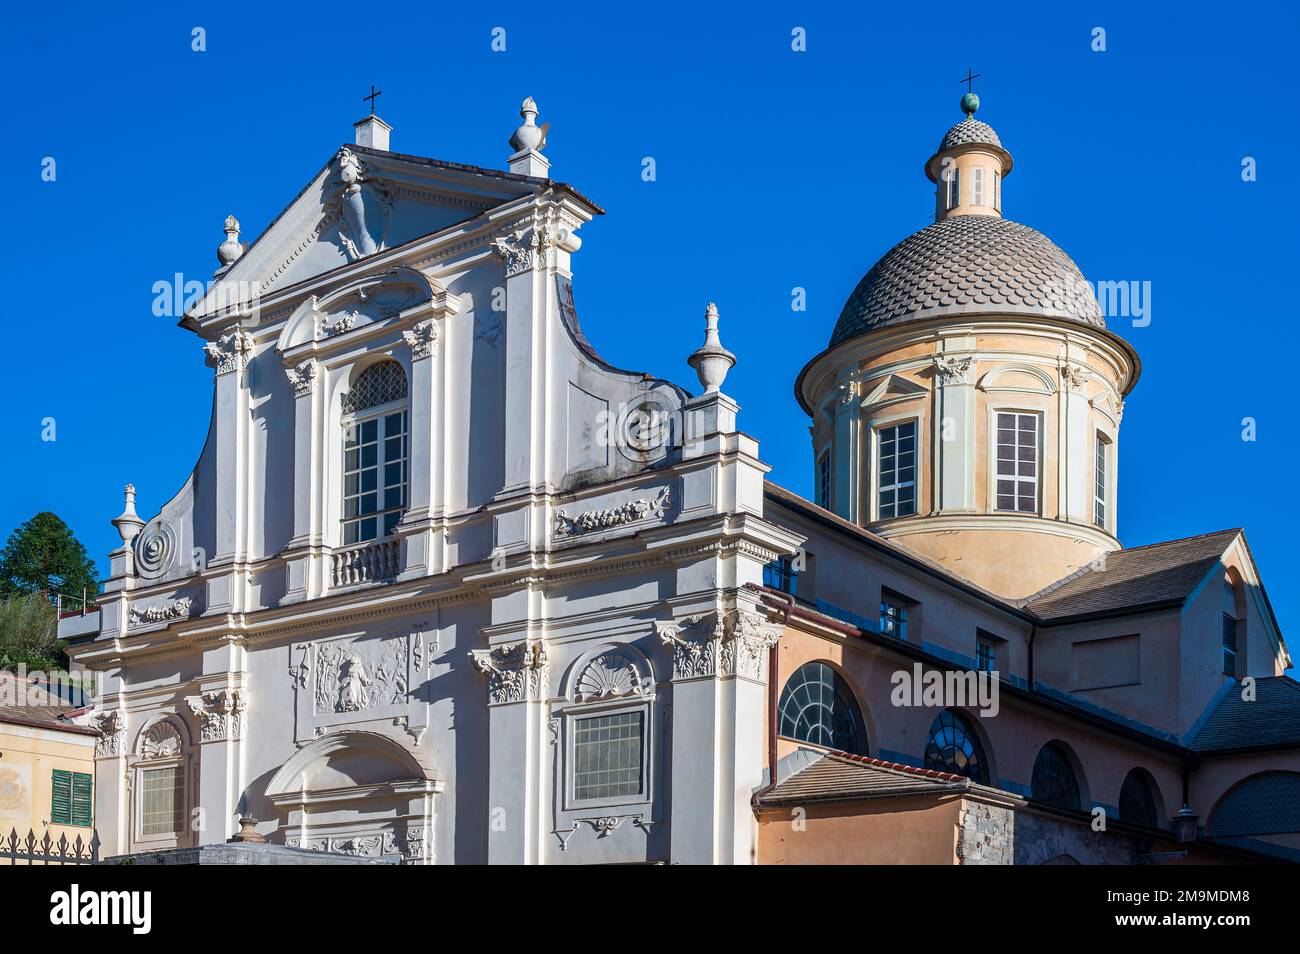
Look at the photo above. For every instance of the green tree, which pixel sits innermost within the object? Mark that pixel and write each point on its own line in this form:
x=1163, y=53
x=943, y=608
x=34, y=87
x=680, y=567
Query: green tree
x=42, y=556
x=28, y=634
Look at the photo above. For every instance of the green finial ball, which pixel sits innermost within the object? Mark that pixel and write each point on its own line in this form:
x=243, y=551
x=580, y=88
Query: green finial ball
x=969, y=103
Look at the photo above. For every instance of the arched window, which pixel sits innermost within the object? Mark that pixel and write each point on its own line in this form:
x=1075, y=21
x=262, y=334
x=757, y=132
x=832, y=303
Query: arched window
x=375, y=453
x=1231, y=627
x=817, y=706
x=1264, y=804
x=954, y=747
x=160, y=768
x=1137, y=800
x=1054, y=781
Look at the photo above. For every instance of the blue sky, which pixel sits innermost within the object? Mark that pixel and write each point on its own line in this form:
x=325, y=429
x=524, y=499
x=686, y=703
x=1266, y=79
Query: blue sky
x=775, y=169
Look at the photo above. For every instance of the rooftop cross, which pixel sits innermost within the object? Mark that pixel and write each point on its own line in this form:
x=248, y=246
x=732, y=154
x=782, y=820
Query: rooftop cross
x=970, y=78
x=373, y=93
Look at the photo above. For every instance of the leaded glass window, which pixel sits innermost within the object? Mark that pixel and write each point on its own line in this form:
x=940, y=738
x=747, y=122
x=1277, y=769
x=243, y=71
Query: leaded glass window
x=162, y=794
x=376, y=453
x=607, y=755
x=1017, y=462
x=1137, y=803
x=896, y=471
x=1054, y=782
x=953, y=747
x=817, y=706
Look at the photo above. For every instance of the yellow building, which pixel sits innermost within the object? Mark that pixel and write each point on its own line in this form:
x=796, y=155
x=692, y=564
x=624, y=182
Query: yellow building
x=47, y=782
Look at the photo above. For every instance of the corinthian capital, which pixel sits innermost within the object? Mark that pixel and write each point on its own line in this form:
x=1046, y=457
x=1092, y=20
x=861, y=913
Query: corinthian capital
x=515, y=673
x=422, y=340
x=303, y=377
x=229, y=352
x=953, y=370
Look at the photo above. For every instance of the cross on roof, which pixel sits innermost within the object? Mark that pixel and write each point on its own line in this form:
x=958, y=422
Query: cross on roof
x=970, y=78
x=373, y=93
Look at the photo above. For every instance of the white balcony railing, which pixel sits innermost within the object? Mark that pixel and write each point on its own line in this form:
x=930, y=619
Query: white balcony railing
x=365, y=563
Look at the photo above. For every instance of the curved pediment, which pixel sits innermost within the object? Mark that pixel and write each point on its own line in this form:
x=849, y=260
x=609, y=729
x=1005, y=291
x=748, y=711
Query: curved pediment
x=356, y=304
x=344, y=760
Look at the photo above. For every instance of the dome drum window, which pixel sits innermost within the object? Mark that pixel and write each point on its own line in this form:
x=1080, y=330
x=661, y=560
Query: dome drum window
x=818, y=707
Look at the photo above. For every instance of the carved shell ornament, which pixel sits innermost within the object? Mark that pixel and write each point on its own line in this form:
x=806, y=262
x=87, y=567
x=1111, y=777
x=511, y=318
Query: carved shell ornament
x=610, y=675
x=162, y=741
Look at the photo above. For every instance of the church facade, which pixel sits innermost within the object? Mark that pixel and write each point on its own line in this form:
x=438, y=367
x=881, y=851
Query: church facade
x=444, y=586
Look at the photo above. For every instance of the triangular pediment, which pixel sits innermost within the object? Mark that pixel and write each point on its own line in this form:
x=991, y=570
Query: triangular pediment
x=361, y=203
x=894, y=387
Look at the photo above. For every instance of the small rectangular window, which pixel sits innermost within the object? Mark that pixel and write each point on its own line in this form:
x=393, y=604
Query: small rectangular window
x=977, y=186
x=954, y=189
x=986, y=655
x=1099, y=492
x=893, y=617
x=781, y=575
x=162, y=800
x=607, y=756
x=1229, y=646
x=1017, y=462
x=997, y=190
x=824, y=480
x=896, y=471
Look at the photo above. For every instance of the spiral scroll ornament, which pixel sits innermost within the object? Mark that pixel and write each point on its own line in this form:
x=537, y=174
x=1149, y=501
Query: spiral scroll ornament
x=155, y=550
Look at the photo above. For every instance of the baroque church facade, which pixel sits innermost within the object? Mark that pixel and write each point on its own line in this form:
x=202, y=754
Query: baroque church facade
x=445, y=586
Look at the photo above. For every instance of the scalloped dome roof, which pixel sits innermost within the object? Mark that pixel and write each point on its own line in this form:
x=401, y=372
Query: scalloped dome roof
x=969, y=130
x=967, y=265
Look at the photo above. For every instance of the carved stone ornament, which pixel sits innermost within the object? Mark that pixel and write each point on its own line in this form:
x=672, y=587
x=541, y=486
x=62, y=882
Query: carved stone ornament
x=422, y=340
x=112, y=727
x=364, y=205
x=229, y=352
x=162, y=741
x=951, y=370
x=611, y=675
x=415, y=845
x=605, y=519
x=220, y=713
x=515, y=673
x=303, y=377
x=694, y=642
x=1073, y=376
x=848, y=391
x=519, y=249
x=173, y=609
x=736, y=645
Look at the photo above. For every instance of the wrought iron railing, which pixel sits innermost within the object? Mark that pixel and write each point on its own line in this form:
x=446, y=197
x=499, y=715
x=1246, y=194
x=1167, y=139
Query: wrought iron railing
x=365, y=563
x=16, y=849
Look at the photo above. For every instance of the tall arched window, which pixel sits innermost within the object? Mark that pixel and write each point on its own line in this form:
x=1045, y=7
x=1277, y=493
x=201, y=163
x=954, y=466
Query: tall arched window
x=1137, y=800
x=954, y=747
x=817, y=706
x=1231, y=628
x=375, y=453
x=1054, y=781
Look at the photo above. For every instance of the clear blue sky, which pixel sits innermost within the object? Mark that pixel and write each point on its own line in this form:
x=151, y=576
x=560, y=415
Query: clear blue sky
x=776, y=169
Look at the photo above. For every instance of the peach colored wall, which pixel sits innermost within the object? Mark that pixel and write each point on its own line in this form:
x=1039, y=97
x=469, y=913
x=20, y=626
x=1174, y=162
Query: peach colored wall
x=886, y=832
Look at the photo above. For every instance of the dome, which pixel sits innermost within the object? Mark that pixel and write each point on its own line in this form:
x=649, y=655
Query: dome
x=967, y=265
x=969, y=130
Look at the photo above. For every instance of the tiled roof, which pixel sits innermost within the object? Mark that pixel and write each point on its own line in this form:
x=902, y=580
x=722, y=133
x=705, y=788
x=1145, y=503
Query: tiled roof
x=838, y=776
x=965, y=265
x=44, y=717
x=1272, y=719
x=1159, y=574
x=969, y=130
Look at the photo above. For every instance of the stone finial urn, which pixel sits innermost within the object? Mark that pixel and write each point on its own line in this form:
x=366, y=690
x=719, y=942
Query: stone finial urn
x=248, y=832
x=711, y=361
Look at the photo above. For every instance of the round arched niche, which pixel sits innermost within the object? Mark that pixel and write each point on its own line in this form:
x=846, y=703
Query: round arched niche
x=357, y=793
x=611, y=671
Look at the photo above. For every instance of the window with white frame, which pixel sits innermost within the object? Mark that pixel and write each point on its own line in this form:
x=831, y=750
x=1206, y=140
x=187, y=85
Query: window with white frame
x=954, y=187
x=161, y=767
x=607, y=755
x=1099, y=482
x=893, y=614
x=1017, y=461
x=896, y=470
x=977, y=186
x=162, y=801
x=824, y=480
x=376, y=451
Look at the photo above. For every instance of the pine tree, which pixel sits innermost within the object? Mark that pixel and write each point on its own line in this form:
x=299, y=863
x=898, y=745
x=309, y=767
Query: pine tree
x=42, y=556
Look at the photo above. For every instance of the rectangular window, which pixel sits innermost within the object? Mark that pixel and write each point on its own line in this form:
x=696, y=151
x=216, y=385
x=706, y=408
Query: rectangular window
x=896, y=471
x=997, y=190
x=781, y=575
x=893, y=617
x=1229, y=646
x=162, y=801
x=607, y=756
x=1099, y=493
x=977, y=187
x=986, y=655
x=954, y=189
x=1017, y=463
x=71, y=798
x=824, y=480
x=374, y=476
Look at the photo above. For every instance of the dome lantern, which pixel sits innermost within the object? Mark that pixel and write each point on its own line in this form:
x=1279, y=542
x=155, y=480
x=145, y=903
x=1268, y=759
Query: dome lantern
x=969, y=166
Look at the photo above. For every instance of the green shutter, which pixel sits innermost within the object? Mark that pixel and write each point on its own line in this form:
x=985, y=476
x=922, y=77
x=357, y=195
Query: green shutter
x=61, y=798
x=83, y=801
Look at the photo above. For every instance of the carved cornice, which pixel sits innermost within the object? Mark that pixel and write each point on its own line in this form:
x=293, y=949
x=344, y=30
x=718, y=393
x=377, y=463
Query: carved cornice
x=229, y=352
x=422, y=340
x=605, y=519
x=515, y=673
x=303, y=377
